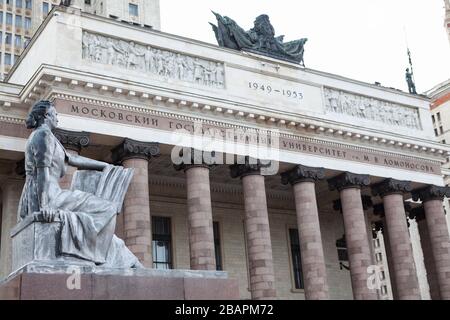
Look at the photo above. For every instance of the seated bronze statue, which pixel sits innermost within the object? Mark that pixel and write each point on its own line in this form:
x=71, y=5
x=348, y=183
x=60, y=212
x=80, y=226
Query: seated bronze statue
x=86, y=214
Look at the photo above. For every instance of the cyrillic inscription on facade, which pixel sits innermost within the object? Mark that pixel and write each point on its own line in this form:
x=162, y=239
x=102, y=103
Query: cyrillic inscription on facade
x=294, y=144
x=363, y=156
x=358, y=106
x=160, y=63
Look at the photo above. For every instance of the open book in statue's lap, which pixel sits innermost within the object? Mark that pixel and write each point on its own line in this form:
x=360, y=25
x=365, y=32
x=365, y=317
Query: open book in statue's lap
x=85, y=215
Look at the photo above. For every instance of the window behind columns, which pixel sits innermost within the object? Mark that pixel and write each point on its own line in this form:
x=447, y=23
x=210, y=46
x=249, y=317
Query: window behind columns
x=162, y=243
x=296, y=258
x=217, y=246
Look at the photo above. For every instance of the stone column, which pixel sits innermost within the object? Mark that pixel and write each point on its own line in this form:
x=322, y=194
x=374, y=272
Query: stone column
x=200, y=221
x=404, y=268
x=428, y=259
x=11, y=193
x=136, y=208
x=259, y=245
x=311, y=248
x=378, y=210
x=432, y=198
x=73, y=142
x=356, y=236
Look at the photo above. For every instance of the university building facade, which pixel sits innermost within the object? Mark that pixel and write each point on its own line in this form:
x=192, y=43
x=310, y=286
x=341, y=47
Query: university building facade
x=321, y=164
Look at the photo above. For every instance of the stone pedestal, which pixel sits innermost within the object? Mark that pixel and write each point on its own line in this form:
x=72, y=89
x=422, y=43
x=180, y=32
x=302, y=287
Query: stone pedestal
x=34, y=241
x=77, y=282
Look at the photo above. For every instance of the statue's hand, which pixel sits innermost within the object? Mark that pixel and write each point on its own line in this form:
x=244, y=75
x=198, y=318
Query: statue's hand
x=49, y=214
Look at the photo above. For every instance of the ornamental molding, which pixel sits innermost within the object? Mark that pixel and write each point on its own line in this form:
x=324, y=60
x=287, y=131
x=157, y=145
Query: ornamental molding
x=12, y=120
x=131, y=149
x=391, y=186
x=159, y=63
x=417, y=148
x=72, y=140
x=369, y=108
x=250, y=167
x=348, y=180
x=431, y=193
x=302, y=173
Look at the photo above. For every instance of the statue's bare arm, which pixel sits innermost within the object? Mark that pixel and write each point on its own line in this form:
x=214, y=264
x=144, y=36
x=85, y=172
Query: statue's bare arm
x=83, y=163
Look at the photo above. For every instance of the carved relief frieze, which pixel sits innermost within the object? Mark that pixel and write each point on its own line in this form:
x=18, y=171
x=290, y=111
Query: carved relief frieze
x=362, y=107
x=153, y=61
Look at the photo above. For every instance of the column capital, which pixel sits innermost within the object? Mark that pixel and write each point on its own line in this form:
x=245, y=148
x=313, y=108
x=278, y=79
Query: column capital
x=391, y=186
x=348, y=180
x=252, y=166
x=194, y=158
x=431, y=193
x=73, y=140
x=132, y=149
x=301, y=174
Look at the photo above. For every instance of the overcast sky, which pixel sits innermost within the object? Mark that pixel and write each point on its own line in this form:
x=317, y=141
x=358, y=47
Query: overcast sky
x=359, y=39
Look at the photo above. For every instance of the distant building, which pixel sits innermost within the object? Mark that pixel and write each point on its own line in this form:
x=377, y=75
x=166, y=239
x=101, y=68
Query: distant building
x=19, y=20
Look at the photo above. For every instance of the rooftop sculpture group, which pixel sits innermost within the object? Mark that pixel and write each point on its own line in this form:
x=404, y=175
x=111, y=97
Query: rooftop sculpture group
x=260, y=39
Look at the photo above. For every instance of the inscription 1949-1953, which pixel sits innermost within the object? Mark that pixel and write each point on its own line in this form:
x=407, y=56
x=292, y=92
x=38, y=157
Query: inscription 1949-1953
x=269, y=89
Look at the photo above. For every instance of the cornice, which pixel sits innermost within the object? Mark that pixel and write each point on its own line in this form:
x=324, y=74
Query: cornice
x=195, y=109
x=159, y=101
x=51, y=75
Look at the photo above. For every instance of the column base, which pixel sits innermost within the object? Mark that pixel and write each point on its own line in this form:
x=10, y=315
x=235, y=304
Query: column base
x=42, y=281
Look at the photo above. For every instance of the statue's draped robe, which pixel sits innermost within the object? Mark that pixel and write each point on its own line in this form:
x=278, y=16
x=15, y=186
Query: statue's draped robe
x=87, y=222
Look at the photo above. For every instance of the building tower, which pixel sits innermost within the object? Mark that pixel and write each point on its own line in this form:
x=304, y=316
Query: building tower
x=19, y=19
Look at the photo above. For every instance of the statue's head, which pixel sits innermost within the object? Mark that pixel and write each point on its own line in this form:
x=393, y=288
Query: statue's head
x=262, y=19
x=263, y=25
x=43, y=112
